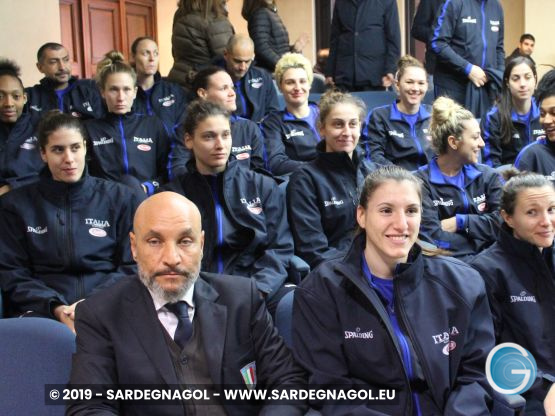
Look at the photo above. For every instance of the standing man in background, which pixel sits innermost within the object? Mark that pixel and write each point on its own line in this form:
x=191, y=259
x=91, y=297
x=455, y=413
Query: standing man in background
x=364, y=45
x=468, y=41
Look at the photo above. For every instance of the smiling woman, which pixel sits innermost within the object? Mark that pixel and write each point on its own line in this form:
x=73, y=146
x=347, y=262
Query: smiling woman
x=399, y=133
x=519, y=268
x=322, y=194
x=461, y=196
x=387, y=297
x=291, y=135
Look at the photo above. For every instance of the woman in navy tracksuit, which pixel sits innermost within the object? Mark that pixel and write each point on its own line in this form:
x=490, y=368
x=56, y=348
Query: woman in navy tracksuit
x=126, y=146
x=243, y=212
x=323, y=194
x=155, y=95
x=460, y=196
x=387, y=316
x=20, y=161
x=520, y=279
x=398, y=133
x=515, y=121
x=539, y=156
x=67, y=235
x=291, y=135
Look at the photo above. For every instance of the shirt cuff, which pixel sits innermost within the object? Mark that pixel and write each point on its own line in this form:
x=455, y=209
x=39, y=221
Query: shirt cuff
x=462, y=220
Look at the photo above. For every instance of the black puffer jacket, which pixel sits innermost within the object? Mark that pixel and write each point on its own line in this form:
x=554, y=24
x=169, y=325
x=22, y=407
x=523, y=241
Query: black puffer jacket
x=196, y=42
x=270, y=36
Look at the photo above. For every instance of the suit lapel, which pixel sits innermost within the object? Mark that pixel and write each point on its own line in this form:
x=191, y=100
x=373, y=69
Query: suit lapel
x=213, y=323
x=141, y=315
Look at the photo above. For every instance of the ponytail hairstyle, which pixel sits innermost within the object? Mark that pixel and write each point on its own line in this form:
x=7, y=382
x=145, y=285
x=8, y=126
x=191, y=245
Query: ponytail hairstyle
x=333, y=97
x=55, y=120
x=408, y=61
x=200, y=110
x=447, y=120
x=518, y=182
x=113, y=63
x=505, y=101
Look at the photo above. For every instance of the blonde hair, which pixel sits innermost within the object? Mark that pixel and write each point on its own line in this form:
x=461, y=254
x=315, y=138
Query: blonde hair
x=405, y=62
x=333, y=97
x=447, y=120
x=113, y=63
x=293, y=60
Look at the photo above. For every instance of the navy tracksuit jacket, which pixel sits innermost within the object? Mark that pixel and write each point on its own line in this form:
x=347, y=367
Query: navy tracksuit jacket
x=20, y=160
x=476, y=208
x=61, y=242
x=129, y=145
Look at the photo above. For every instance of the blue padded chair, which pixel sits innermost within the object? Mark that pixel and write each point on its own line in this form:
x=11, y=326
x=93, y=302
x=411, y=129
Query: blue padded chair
x=374, y=99
x=503, y=405
x=35, y=352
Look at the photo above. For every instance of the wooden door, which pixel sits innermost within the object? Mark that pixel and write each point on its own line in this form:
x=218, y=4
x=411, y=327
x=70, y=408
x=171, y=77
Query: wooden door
x=91, y=28
x=72, y=39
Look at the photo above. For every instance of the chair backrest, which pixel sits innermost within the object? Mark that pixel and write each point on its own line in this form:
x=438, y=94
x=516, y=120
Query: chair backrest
x=284, y=318
x=35, y=352
x=374, y=99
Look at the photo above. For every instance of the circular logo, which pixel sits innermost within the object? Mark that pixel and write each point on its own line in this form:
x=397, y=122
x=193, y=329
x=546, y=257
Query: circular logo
x=510, y=369
x=97, y=232
x=242, y=156
x=450, y=346
x=143, y=147
x=482, y=207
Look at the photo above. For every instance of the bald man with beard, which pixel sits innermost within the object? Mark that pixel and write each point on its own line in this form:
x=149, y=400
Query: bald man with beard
x=131, y=334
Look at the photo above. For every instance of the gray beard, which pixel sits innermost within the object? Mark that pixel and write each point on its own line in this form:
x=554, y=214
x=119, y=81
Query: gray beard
x=167, y=295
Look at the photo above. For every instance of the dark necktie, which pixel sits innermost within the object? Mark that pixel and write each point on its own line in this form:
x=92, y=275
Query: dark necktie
x=184, y=327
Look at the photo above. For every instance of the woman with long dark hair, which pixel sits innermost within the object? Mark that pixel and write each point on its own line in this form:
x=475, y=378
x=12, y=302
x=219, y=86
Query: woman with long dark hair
x=67, y=235
x=515, y=121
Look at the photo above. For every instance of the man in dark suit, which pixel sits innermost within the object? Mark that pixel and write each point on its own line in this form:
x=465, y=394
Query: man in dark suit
x=133, y=333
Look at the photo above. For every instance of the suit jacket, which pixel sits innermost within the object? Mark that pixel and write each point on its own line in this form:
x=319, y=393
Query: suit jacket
x=121, y=341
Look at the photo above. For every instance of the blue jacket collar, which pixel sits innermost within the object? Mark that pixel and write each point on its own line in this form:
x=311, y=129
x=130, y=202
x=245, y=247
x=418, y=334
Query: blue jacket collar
x=534, y=112
x=396, y=115
x=436, y=176
x=287, y=116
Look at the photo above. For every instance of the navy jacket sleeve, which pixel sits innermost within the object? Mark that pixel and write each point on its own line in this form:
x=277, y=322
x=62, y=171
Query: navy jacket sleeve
x=422, y=29
x=163, y=163
x=486, y=226
x=24, y=290
x=491, y=133
x=444, y=29
x=127, y=203
x=311, y=243
x=373, y=139
x=257, y=145
x=271, y=96
x=393, y=38
x=500, y=47
x=275, y=158
x=315, y=335
x=470, y=393
x=270, y=269
x=430, y=227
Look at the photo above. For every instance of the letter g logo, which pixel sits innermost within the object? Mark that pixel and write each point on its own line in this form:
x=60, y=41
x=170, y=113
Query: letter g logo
x=510, y=369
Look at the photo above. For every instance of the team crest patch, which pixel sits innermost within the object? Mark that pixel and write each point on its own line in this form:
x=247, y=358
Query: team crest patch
x=248, y=373
x=254, y=205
